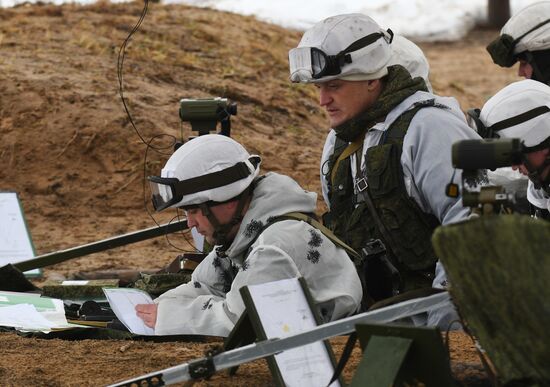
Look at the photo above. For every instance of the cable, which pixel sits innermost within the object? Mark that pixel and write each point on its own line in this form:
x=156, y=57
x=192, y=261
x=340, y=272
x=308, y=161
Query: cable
x=120, y=65
x=160, y=149
x=184, y=233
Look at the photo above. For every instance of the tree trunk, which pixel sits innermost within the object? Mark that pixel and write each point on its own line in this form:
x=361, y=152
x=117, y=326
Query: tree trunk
x=498, y=12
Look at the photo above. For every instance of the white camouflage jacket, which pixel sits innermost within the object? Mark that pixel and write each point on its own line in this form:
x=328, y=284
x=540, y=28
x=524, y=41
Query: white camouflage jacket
x=210, y=304
x=538, y=197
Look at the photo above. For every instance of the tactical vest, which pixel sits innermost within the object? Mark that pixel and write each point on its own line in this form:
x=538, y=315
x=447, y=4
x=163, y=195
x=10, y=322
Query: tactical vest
x=397, y=221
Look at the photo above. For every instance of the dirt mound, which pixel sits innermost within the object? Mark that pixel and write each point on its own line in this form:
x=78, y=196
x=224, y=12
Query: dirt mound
x=68, y=145
x=70, y=151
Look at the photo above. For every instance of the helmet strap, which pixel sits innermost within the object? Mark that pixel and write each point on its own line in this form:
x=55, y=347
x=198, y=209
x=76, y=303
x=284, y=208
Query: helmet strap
x=221, y=231
x=535, y=174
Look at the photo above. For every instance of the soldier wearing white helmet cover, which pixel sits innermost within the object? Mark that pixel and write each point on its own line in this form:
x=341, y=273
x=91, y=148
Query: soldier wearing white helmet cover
x=387, y=159
x=526, y=38
x=522, y=110
x=410, y=56
x=217, y=183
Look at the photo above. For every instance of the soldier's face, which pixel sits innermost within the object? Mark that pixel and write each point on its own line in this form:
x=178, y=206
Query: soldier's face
x=536, y=160
x=344, y=100
x=525, y=70
x=223, y=213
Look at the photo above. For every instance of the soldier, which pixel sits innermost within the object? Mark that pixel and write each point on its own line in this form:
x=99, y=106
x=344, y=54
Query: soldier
x=387, y=158
x=215, y=181
x=522, y=110
x=526, y=38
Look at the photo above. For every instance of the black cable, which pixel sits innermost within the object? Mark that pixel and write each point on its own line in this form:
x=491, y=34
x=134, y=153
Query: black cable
x=159, y=149
x=120, y=65
x=184, y=233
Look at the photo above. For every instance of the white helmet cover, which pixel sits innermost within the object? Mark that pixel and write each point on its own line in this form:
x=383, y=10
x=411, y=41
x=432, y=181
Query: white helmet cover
x=335, y=34
x=528, y=19
x=410, y=56
x=205, y=155
x=514, y=100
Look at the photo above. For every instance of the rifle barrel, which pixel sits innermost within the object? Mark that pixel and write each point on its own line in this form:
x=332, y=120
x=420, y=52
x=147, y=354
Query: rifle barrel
x=102, y=245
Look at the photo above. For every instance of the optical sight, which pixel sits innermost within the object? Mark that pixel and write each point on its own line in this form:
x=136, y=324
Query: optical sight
x=473, y=156
x=204, y=114
x=487, y=153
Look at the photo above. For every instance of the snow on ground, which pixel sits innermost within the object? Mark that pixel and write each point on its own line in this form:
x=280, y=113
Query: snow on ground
x=426, y=20
x=421, y=20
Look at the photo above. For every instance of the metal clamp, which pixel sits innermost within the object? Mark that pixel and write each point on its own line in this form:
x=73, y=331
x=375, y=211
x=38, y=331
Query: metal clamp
x=147, y=381
x=202, y=368
x=374, y=248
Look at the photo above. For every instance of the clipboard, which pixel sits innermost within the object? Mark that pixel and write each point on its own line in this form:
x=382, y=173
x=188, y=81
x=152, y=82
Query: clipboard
x=302, y=366
x=15, y=240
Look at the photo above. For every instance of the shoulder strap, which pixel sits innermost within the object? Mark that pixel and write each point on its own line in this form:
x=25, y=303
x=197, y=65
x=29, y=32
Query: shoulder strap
x=299, y=216
x=326, y=232
x=396, y=132
x=392, y=133
x=350, y=149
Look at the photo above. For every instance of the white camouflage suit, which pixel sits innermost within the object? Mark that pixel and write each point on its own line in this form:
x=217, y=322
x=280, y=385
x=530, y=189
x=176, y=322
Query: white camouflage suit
x=538, y=197
x=210, y=304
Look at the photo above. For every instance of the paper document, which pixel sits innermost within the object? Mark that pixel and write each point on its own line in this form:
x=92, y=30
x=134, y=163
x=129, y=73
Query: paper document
x=30, y=312
x=283, y=310
x=24, y=317
x=123, y=302
x=74, y=283
x=15, y=240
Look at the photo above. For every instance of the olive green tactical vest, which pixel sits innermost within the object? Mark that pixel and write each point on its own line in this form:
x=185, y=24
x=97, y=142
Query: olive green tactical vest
x=408, y=230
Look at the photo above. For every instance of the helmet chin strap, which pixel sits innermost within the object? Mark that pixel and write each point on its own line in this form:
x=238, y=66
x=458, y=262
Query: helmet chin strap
x=221, y=231
x=535, y=174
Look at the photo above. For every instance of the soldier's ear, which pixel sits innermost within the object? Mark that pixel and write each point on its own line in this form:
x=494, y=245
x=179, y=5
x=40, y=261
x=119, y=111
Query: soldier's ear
x=374, y=84
x=230, y=206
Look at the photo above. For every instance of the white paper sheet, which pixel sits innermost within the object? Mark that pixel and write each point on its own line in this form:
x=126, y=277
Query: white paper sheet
x=283, y=310
x=198, y=239
x=24, y=317
x=123, y=302
x=30, y=312
x=74, y=283
x=15, y=241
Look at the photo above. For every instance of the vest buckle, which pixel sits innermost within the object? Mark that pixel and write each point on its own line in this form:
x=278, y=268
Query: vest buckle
x=374, y=248
x=361, y=184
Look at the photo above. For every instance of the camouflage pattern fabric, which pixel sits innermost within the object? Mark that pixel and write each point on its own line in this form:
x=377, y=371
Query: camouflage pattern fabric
x=156, y=284
x=93, y=289
x=498, y=267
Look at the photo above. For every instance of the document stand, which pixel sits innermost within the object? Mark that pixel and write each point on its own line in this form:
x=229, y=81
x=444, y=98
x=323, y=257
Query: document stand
x=15, y=240
x=401, y=355
x=250, y=328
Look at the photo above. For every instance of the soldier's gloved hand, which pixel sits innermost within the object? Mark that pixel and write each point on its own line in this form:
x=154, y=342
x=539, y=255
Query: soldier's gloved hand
x=148, y=313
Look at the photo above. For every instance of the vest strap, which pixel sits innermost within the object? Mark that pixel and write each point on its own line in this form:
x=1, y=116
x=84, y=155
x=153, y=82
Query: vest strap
x=326, y=232
x=350, y=149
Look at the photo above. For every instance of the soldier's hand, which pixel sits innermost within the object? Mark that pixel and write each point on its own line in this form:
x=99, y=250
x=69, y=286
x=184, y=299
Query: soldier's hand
x=148, y=313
